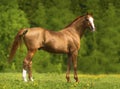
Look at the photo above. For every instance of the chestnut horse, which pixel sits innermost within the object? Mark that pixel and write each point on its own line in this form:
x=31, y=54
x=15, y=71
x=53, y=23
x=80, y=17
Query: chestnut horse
x=65, y=41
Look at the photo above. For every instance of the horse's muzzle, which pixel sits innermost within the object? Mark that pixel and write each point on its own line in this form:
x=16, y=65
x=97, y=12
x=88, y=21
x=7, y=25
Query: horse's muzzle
x=93, y=29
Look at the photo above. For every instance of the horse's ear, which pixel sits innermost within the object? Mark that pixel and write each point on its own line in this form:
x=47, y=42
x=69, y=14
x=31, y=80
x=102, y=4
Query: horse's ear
x=91, y=13
x=87, y=13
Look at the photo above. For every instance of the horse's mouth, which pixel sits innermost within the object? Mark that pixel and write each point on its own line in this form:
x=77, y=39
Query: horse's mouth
x=92, y=29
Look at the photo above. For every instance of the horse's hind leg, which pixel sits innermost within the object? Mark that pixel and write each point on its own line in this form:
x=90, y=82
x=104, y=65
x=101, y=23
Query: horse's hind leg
x=27, y=64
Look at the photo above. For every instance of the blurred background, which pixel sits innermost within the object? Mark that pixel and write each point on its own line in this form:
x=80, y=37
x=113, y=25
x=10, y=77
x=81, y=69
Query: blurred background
x=99, y=52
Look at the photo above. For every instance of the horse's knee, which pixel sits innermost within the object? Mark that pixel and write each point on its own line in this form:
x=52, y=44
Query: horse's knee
x=75, y=66
x=75, y=77
x=25, y=62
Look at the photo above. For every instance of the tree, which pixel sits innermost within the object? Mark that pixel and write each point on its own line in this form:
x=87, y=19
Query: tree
x=12, y=20
x=39, y=17
x=110, y=44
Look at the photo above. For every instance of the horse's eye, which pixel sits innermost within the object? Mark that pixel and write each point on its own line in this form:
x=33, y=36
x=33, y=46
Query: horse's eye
x=87, y=19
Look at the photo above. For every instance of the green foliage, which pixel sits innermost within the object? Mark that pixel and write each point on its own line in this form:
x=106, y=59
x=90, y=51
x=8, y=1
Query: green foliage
x=99, y=52
x=12, y=19
x=40, y=16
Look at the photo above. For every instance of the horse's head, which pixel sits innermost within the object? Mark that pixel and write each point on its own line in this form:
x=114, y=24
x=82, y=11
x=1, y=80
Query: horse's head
x=89, y=21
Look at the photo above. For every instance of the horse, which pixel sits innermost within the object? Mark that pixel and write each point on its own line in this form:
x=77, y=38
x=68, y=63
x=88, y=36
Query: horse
x=65, y=41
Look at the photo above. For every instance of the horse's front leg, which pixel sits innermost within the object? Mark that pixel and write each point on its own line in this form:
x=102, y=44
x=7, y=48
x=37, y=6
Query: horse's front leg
x=74, y=59
x=68, y=69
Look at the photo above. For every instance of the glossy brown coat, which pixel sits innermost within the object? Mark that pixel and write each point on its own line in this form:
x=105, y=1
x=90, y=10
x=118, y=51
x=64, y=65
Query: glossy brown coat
x=66, y=41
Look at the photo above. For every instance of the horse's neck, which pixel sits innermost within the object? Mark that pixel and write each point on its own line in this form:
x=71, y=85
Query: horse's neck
x=79, y=27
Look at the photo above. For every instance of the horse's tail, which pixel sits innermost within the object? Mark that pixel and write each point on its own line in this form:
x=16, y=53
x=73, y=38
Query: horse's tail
x=17, y=42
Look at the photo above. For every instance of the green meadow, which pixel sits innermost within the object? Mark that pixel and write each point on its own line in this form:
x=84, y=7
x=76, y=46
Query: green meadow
x=58, y=81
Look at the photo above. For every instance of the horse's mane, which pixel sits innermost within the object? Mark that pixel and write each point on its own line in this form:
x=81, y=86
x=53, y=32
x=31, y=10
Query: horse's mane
x=74, y=21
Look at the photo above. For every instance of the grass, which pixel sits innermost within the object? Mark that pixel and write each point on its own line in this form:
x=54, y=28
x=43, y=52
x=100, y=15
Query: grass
x=58, y=81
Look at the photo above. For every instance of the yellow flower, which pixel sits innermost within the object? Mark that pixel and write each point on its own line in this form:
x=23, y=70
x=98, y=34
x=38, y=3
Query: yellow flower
x=88, y=84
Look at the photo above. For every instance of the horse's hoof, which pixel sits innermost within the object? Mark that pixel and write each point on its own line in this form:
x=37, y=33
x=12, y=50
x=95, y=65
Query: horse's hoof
x=69, y=81
x=31, y=79
x=77, y=82
x=25, y=80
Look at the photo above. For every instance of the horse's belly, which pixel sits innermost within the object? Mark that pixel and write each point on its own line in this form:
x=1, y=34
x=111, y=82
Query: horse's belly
x=56, y=49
